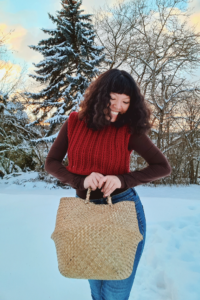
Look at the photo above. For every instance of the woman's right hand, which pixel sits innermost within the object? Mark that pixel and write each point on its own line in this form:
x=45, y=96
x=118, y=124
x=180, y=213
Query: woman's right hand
x=92, y=180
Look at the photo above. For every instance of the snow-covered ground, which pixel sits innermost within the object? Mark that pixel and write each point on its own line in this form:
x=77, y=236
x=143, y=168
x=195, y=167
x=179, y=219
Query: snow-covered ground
x=169, y=268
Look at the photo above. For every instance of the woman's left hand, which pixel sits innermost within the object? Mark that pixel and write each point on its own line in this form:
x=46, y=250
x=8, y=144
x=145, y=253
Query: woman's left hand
x=112, y=182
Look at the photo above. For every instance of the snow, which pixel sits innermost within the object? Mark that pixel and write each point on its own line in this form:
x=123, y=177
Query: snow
x=169, y=268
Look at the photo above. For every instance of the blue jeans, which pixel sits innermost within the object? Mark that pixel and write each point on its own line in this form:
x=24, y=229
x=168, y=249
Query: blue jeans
x=120, y=289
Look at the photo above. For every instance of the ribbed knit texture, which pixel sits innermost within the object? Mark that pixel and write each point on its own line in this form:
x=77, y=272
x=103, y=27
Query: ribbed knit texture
x=104, y=151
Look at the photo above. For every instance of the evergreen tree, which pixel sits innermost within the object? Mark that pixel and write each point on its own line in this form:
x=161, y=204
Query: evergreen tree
x=17, y=153
x=68, y=67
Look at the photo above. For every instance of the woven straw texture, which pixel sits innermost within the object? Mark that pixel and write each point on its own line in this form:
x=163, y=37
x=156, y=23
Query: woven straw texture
x=96, y=241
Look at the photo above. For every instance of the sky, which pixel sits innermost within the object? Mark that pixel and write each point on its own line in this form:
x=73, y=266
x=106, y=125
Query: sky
x=169, y=267
x=27, y=18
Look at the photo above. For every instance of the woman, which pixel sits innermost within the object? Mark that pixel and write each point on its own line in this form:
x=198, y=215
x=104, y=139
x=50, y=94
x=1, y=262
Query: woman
x=113, y=121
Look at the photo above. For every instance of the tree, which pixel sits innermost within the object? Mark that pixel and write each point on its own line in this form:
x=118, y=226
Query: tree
x=68, y=67
x=159, y=50
x=12, y=76
x=114, y=27
x=16, y=151
x=168, y=49
x=186, y=140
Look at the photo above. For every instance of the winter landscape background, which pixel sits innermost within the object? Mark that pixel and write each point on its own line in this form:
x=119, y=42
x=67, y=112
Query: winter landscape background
x=47, y=60
x=157, y=42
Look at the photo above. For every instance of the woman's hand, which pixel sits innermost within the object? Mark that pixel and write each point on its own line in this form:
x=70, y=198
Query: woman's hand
x=92, y=180
x=112, y=183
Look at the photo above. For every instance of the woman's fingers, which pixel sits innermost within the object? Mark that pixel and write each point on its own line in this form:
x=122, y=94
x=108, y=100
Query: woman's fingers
x=101, y=182
x=95, y=183
x=107, y=186
x=99, y=177
x=95, y=180
x=109, y=191
x=105, y=183
x=112, y=183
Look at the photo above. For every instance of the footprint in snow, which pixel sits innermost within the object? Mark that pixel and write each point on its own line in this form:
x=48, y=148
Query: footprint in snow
x=172, y=245
x=167, y=225
x=187, y=256
x=192, y=207
x=160, y=280
x=195, y=267
x=182, y=224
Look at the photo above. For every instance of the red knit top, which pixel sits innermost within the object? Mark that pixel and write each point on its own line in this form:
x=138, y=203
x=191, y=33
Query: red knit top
x=158, y=165
x=104, y=151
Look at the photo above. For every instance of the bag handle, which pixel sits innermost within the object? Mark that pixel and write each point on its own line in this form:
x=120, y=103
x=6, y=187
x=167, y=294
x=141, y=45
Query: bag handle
x=109, y=200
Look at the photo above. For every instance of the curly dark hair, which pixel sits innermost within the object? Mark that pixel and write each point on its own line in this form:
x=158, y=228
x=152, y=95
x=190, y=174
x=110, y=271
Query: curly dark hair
x=94, y=108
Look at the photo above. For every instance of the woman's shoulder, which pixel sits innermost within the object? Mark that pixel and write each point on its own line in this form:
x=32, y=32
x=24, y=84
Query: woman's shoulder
x=138, y=135
x=73, y=114
x=73, y=117
x=139, y=141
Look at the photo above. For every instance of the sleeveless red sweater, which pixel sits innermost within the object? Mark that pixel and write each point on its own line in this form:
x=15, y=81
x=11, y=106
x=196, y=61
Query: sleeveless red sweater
x=104, y=151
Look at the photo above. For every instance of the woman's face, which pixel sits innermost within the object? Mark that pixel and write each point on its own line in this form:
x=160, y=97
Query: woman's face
x=119, y=104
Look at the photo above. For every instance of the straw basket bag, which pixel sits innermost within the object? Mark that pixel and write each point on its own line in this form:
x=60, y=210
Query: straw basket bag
x=96, y=241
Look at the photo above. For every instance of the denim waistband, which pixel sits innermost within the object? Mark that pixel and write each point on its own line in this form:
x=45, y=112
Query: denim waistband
x=121, y=196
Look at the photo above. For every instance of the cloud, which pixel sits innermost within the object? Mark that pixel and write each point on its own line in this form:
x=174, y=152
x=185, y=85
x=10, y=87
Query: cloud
x=23, y=36
x=9, y=69
x=19, y=40
x=195, y=20
x=24, y=25
x=9, y=76
x=195, y=4
x=13, y=40
x=22, y=17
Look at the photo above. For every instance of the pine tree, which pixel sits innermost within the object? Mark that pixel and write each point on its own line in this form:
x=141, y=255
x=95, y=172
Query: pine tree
x=68, y=67
x=17, y=153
